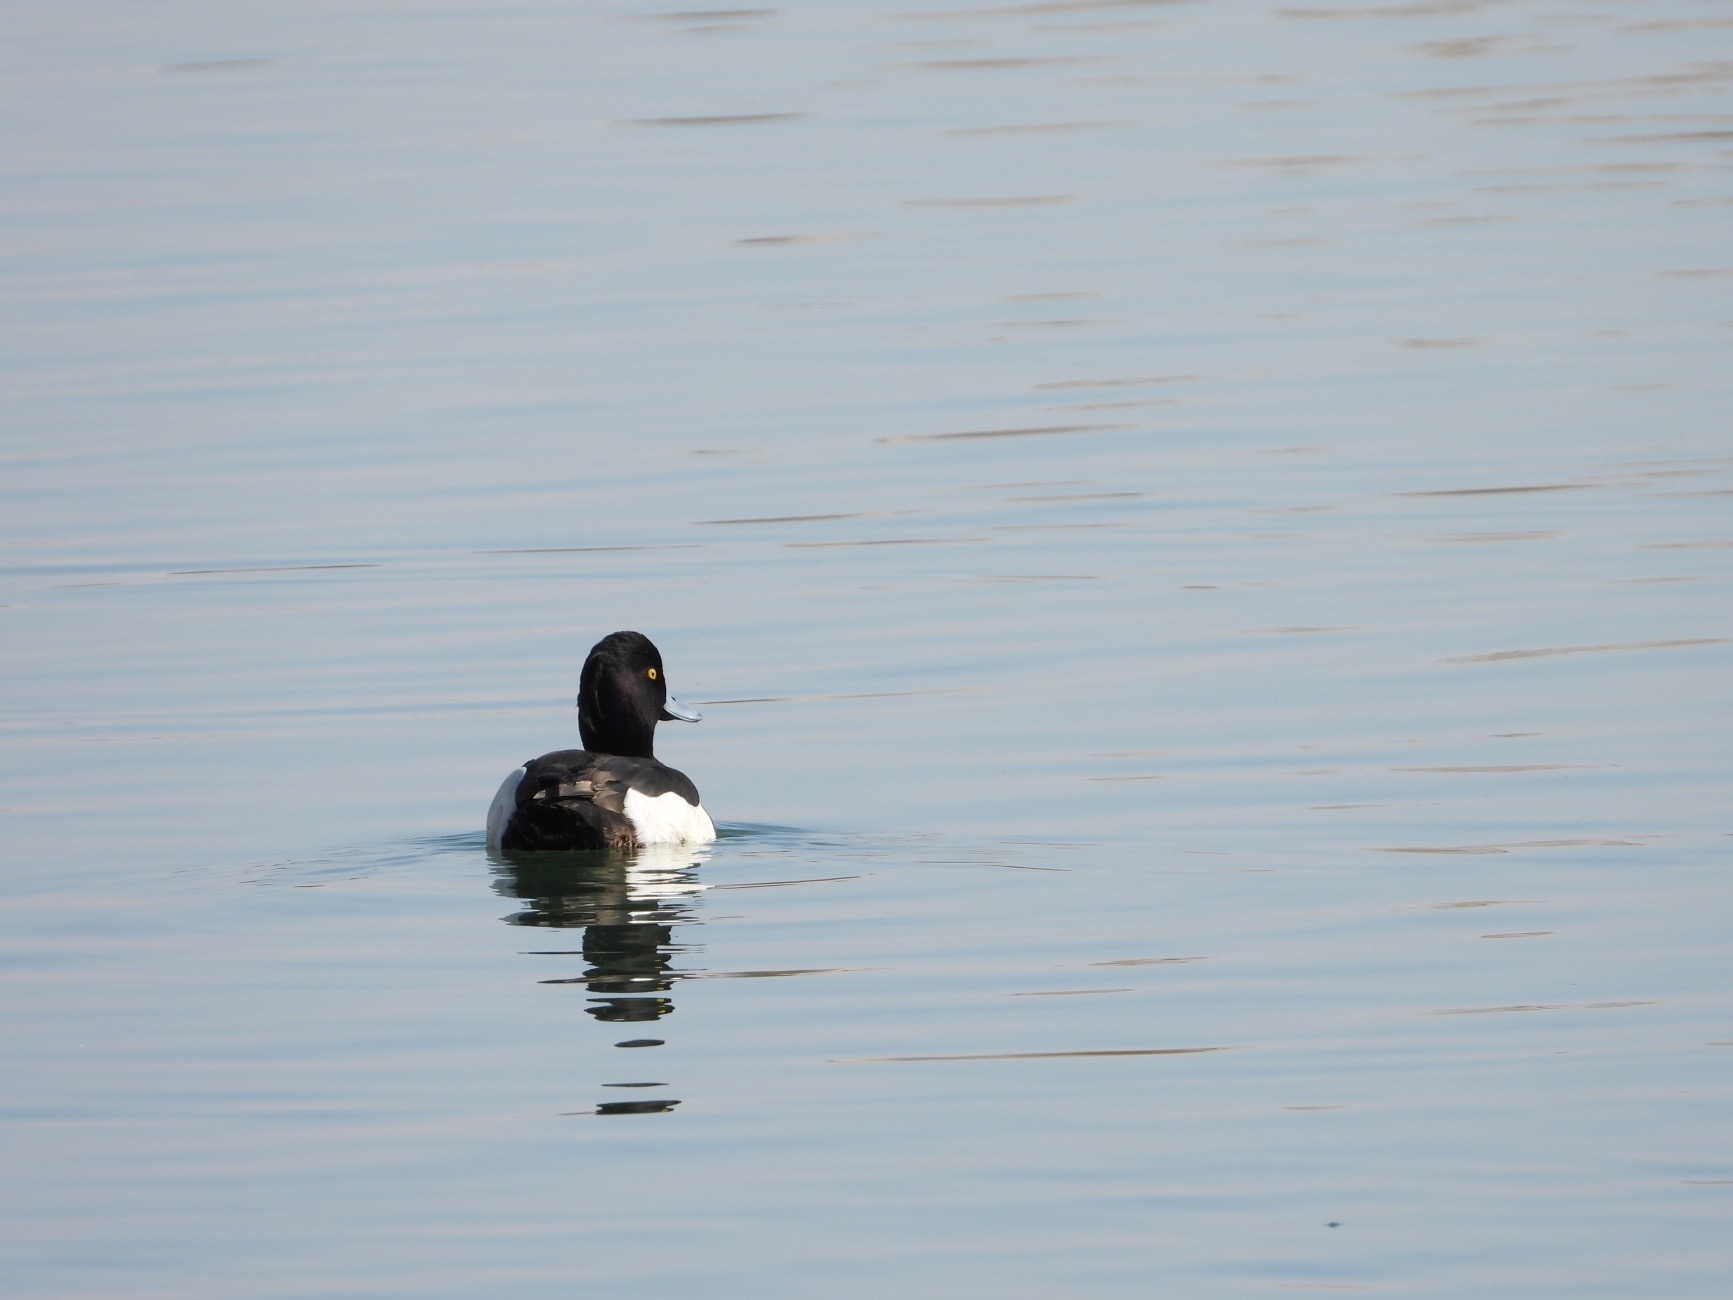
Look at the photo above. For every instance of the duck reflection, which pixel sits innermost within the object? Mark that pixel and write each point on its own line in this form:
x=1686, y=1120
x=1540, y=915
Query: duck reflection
x=627, y=906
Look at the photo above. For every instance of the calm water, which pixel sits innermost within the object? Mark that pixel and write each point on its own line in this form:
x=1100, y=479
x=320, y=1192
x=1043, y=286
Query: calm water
x=1202, y=535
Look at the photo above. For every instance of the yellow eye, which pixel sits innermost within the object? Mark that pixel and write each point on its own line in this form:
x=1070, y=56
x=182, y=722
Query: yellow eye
x=652, y=674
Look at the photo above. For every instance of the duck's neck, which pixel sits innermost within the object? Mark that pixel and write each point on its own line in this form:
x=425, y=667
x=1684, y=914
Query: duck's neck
x=629, y=737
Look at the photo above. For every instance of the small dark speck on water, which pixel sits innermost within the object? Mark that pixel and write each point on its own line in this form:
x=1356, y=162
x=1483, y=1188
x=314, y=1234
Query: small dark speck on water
x=642, y=1042
x=630, y=1108
x=716, y=119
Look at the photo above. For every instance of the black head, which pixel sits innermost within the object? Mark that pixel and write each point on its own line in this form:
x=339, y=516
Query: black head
x=622, y=694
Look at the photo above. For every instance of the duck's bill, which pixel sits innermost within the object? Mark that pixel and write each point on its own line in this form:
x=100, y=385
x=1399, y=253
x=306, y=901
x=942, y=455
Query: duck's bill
x=673, y=710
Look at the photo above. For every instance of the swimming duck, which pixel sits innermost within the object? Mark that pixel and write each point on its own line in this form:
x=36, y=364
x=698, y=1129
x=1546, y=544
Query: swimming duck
x=612, y=793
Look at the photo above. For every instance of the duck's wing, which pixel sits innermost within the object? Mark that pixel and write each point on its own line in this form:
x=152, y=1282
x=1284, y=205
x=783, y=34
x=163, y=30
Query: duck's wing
x=575, y=799
x=568, y=800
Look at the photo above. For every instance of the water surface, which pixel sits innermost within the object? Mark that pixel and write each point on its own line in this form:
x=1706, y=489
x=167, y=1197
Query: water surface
x=1201, y=535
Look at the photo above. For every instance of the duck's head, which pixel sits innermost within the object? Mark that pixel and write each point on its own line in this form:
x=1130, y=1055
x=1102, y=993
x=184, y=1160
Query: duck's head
x=623, y=694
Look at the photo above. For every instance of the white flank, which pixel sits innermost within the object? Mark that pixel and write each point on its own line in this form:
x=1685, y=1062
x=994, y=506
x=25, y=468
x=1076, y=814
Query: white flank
x=668, y=819
x=503, y=806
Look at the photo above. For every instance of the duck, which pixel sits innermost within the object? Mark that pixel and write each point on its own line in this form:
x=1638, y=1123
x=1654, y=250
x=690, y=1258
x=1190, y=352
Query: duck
x=613, y=793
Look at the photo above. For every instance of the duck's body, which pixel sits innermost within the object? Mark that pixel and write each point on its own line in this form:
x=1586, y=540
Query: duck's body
x=613, y=793
x=573, y=799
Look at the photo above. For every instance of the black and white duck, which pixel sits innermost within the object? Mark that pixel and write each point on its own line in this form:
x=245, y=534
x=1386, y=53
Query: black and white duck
x=612, y=793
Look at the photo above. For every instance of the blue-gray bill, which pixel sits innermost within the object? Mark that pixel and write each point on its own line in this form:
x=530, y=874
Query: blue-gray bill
x=673, y=710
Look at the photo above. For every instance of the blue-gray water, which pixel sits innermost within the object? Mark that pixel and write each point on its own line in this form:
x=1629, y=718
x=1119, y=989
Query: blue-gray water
x=1202, y=535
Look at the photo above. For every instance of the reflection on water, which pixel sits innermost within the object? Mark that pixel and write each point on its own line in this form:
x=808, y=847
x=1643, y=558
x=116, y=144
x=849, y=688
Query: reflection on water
x=627, y=906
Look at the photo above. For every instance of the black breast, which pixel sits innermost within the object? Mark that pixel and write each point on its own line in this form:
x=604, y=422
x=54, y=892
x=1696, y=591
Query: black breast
x=574, y=799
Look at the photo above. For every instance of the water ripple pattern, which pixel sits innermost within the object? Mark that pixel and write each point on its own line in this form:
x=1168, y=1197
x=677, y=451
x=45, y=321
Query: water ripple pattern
x=1201, y=536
